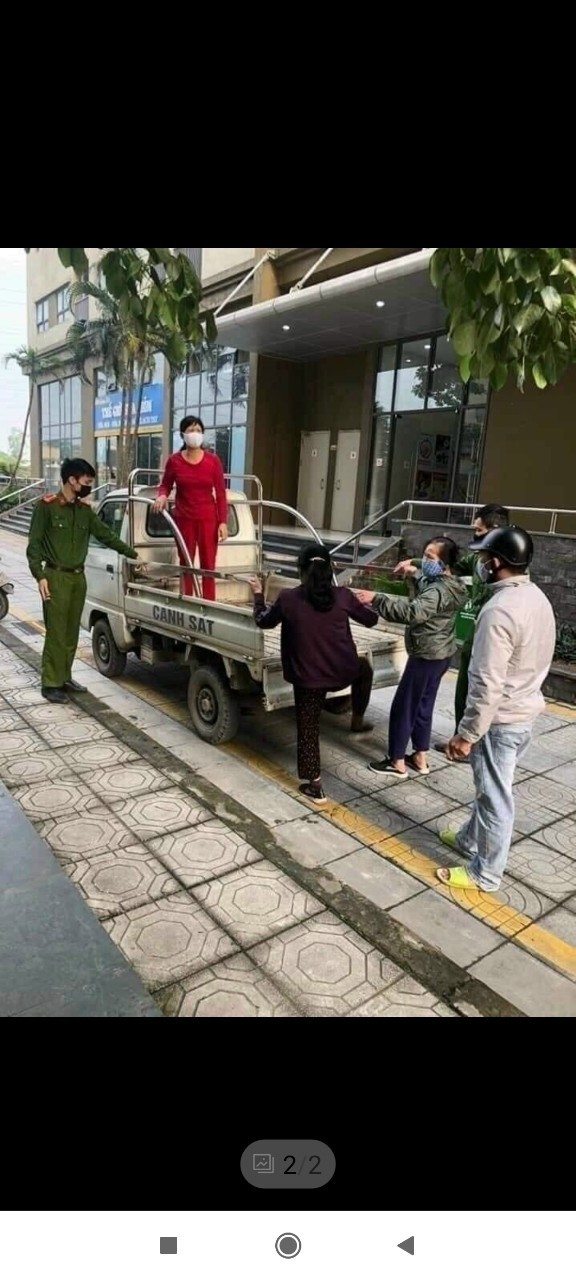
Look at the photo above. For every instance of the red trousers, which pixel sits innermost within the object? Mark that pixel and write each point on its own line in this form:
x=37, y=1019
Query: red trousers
x=201, y=535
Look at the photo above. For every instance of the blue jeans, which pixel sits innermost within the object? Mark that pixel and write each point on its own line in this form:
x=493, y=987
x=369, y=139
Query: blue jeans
x=487, y=835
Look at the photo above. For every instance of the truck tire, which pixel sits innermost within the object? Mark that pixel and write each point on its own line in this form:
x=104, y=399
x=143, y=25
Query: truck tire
x=109, y=660
x=213, y=707
x=4, y=606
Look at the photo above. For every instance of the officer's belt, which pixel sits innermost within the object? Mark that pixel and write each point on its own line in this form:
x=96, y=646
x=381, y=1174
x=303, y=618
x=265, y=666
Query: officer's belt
x=63, y=568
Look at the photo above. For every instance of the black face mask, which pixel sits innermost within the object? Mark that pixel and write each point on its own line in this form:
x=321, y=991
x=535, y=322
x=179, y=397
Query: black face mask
x=85, y=490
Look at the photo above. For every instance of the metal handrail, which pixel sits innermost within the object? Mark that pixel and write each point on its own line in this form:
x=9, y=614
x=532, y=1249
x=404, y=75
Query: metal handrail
x=411, y=503
x=15, y=492
x=149, y=502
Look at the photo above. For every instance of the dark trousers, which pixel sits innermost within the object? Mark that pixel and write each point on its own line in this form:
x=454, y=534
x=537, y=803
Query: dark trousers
x=461, y=694
x=413, y=706
x=309, y=704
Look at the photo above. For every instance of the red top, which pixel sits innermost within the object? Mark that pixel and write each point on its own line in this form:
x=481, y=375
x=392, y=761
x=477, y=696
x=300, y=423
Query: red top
x=199, y=487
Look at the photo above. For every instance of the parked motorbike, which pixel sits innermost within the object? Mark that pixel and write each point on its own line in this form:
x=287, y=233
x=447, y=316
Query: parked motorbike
x=6, y=589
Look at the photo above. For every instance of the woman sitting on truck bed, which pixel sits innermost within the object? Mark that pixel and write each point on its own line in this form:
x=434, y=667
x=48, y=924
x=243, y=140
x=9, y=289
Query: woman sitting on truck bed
x=318, y=653
x=201, y=509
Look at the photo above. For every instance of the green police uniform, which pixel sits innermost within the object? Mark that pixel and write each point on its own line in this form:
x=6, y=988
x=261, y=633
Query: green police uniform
x=59, y=535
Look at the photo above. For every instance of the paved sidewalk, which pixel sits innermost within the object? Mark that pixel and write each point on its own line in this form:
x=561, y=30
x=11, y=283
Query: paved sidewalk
x=231, y=898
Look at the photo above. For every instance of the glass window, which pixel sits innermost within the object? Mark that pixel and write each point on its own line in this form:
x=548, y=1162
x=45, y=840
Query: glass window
x=412, y=376
x=379, y=465
x=63, y=309
x=223, y=414
x=180, y=394
x=207, y=414
x=54, y=402
x=42, y=316
x=45, y=404
x=156, y=526
x=112, y=514
x=106, y=459
x=478, y=390
x=237, y=455
x=385, y=379
x=61, y=417
x=469, y=456
x=446, y=387
x=76, y=395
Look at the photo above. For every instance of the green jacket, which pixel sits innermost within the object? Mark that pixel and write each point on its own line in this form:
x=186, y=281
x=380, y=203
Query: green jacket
x=60, y=532
x=430, y=617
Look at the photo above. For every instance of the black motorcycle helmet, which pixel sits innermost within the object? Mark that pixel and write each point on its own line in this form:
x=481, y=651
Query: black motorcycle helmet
x=511, y=544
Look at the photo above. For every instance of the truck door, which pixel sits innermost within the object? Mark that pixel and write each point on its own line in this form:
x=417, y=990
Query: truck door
x=103, y=566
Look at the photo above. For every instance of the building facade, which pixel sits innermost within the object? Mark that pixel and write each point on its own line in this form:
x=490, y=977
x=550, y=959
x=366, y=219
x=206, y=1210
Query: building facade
x=333, y=381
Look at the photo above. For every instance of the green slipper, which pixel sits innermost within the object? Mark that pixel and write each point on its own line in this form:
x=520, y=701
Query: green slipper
x=456, y=878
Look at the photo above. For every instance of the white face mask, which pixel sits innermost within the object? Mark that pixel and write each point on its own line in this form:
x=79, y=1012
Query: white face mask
x=193, y=439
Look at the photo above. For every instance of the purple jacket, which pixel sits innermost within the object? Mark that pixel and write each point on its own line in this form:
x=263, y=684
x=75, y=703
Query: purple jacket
x=318, y=651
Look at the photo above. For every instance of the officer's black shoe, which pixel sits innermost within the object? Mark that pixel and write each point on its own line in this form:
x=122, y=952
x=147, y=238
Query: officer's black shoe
x=72, y=686
x=53, y=695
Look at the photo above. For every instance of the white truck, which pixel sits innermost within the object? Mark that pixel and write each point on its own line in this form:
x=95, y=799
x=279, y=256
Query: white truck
x=230, y=660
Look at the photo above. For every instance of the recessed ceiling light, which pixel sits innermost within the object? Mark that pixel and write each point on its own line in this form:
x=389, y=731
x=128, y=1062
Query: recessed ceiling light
x=380, y=304
x=285, y=327
x=408, y=360
x=427, y=346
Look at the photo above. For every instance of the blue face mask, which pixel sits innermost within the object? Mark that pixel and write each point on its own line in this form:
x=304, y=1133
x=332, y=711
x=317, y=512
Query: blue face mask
x=432, y=568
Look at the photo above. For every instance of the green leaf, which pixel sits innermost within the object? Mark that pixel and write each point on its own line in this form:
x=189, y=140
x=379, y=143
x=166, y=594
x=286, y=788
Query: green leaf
x=527, y=317
x=569, y=300
x=464, y=338
x=551, y=299
x=499, y=376
x=486, y=364
x=65, y=256
x=464, y=367
x=569, y=265
x=490, y=279
x=505, y=255
x=539, y=376
x=529, y=268
x=549, y=365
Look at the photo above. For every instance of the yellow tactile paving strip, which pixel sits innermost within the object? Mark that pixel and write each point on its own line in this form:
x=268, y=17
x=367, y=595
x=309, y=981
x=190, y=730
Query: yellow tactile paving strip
x=491, y=909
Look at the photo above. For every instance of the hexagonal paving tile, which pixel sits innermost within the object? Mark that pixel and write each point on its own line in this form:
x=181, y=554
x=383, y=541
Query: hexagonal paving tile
x=542, y=869
x=232, y=989
x=20, y=742
x=81, y=729
x=116, y=882
x=48, y=713
x=95, y=830
x=29, y=697
x=48, y=799
x=83, y=756
x=416, y=802
x=168, y=940
x=325, y=967
x=134, y=778
x=404, y=999
x=17, y=679
x=209, y=850
x=10, y=720
x=38, y=767
x=166, y=811
x=256, y=902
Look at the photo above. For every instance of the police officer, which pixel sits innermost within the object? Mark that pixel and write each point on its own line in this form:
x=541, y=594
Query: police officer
x=61, y=527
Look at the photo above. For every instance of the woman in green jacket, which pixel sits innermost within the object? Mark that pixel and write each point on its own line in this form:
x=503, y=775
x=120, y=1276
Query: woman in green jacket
x=430, y=619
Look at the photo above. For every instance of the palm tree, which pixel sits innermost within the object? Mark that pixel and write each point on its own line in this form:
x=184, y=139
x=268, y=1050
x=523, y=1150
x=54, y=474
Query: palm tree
x=34, y=365
x=126, y=356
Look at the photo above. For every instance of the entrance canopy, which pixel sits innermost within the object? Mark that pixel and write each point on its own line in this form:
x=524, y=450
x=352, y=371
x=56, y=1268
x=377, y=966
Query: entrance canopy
x=378, y=304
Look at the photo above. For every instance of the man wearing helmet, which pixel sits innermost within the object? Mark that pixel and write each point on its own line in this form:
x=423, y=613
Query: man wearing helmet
x=513, y=649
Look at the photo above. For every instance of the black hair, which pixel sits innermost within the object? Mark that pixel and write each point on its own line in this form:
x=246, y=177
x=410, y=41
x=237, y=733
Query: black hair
x=315, y=568
x=449, y=551
x=191, y=421
x=76, y=467
x=493, y=516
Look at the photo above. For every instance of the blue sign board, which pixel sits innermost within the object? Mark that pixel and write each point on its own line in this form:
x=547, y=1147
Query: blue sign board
x=108, y=409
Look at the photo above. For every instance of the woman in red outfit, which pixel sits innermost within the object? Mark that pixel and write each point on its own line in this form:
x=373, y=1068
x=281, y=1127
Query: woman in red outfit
x=201, y=508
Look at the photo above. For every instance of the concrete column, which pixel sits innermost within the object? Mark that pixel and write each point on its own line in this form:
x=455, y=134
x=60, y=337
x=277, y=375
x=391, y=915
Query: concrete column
x=266, y=280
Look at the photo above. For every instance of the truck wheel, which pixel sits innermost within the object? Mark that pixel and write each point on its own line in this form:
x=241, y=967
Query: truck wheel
x=213, y=707
x=3, y=604
x=109, y=660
